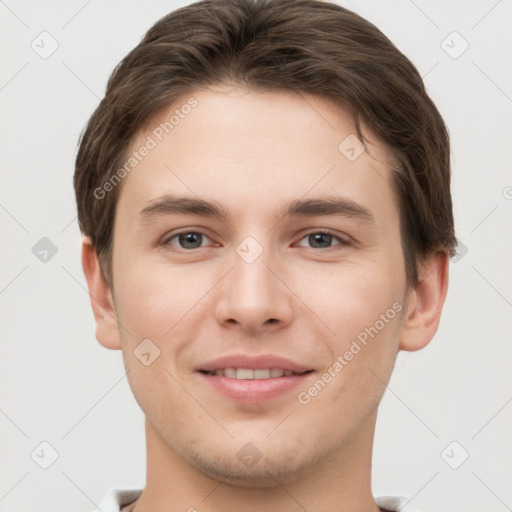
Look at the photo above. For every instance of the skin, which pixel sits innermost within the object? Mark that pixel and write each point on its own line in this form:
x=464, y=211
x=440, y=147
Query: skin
x=252, y=152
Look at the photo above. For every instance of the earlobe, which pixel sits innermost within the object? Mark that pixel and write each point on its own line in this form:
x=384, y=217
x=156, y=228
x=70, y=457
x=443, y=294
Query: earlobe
x=107, y=331
x=425, y=303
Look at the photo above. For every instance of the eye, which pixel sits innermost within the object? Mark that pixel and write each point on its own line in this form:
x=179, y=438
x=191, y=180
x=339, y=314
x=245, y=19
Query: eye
x=187, y=239
x=194, y=240
x=323, y=239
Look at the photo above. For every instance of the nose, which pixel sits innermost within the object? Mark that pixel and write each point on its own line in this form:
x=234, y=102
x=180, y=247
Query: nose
x=253, y=296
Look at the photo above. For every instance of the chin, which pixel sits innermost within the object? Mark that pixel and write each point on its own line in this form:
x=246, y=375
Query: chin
x=270, y=471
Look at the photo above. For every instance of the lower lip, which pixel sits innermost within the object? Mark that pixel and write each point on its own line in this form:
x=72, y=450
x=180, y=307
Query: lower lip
x=255, y=390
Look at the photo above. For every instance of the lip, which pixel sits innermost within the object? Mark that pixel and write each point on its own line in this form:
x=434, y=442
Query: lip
x=254, y=390
x=253, y=363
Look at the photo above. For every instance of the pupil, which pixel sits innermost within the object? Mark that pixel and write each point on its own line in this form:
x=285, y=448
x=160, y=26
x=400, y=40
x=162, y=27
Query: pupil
x=318, y=237
x=190, y=238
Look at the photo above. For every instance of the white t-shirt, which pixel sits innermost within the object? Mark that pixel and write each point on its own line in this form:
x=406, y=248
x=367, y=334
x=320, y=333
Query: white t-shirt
x=118, y=499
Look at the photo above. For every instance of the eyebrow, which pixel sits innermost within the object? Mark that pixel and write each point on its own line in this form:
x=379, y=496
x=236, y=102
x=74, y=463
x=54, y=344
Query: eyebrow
x=170, y=204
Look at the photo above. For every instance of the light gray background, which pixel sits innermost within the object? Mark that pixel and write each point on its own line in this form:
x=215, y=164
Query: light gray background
x=60, y=386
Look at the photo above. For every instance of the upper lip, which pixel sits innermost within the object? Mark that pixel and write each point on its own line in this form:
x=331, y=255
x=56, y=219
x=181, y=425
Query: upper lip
x=253, y=363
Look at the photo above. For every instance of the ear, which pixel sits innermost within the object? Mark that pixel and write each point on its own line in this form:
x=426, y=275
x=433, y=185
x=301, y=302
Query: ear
x=425, y=302
x=107, y=331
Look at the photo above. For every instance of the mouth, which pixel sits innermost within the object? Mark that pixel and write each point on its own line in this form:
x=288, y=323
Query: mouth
x=250, y=374
x=253, y=379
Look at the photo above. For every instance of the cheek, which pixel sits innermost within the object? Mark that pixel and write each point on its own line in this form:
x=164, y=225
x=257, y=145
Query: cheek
x=154, y=298
x=157, y=305
x=352, y=298
x=364, y=313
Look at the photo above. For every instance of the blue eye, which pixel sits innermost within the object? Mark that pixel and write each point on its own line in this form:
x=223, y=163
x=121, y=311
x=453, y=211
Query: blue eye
x=316, y=239
x=188, y=239
x=323, y=239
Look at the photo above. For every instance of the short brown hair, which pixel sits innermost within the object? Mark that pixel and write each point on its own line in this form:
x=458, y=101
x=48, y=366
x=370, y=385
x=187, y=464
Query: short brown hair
x=307, y=46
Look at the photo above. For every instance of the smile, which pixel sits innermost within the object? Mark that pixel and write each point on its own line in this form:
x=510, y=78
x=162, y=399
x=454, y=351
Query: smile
x=250, y=374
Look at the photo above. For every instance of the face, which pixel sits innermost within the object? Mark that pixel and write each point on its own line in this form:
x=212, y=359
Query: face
x=260, y=255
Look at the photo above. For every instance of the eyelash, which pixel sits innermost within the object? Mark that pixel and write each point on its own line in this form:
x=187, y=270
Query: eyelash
x=343, y=242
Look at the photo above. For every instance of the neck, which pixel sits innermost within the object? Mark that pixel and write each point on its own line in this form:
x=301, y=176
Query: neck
x=341, y=483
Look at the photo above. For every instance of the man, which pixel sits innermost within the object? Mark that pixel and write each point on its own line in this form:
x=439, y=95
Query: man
x=265, y=197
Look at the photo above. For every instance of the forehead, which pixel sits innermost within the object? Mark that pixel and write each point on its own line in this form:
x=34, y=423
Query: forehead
x=253, y=150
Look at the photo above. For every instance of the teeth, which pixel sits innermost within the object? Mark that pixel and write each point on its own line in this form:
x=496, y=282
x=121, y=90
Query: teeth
x=243, y=373
x=276, y=372
x=261, y=374
x=230, y=372
x=249, y=374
